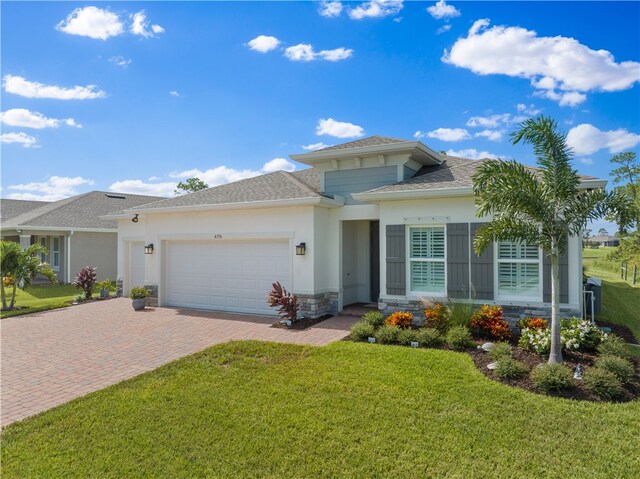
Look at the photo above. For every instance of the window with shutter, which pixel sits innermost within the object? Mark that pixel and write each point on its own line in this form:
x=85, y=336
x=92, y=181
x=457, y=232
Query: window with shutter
x=519, y=269
x=427, y=259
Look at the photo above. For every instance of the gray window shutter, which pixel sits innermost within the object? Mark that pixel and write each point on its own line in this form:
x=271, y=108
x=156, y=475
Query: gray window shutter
x=396, y=260
x=458, y=260
x=482, y=269
x=563, y=260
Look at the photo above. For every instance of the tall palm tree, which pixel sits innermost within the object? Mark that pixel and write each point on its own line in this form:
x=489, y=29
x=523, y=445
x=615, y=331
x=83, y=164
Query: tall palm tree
x=540, y=206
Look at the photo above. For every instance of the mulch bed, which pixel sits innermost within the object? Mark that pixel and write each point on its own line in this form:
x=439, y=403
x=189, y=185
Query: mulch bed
x=619, y=330
x=571, y=360
x=303, y=323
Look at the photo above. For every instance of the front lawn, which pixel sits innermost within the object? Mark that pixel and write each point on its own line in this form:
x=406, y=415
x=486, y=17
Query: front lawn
x=253, y=409
x=41, y=298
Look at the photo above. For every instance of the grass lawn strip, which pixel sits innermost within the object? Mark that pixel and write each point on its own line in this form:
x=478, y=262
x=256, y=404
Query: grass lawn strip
x=253, y=409
x=42, y=298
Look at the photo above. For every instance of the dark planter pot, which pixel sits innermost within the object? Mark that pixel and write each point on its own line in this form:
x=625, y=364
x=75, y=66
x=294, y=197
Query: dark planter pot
x=104, y=293
x=138, y=304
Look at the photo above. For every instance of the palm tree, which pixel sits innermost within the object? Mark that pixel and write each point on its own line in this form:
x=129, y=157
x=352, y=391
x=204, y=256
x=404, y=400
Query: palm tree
x=21, y=265
x=540, y=206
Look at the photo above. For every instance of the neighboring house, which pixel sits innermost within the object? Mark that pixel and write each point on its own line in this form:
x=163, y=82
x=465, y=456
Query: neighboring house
x=71, y=230
x=603, y=240
x=381, y=220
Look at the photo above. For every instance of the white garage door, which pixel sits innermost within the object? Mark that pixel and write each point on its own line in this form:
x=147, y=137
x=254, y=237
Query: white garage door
x=136, y=260
x=231, y=276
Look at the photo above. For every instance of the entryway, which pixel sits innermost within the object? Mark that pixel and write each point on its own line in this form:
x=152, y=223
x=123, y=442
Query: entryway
x=360, y=269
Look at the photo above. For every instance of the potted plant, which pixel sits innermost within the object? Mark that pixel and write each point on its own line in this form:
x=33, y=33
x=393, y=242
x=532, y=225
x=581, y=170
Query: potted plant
x=138, y=297
x=105, y=287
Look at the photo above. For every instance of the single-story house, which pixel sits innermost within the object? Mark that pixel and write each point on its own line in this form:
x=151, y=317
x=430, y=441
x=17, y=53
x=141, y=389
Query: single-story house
x=376, y=220
x=603, y=240
x=71, y=229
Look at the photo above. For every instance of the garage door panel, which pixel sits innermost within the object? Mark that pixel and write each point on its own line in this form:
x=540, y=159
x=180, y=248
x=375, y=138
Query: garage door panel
x=225, y=276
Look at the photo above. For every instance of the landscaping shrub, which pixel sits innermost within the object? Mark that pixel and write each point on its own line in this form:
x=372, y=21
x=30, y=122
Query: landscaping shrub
x=460, y=314
x=487, y=322
x=429, y=337
x=286, y=302
x=138, y=293
x=400, y=319
x=509, y=368
x=387, y=334
x=374, y=318
x=613, y=345
x=86, y=279
x=575, y=334
x=622, y=368
x=436, y=317
x=500, y=350
x=406, y=336
x=552, y=377
x=603, y=383
x=534, y=324
x=459, y=337
x=362, y=330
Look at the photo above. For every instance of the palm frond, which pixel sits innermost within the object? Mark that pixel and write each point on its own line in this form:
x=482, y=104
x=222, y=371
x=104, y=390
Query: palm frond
x=506, y=228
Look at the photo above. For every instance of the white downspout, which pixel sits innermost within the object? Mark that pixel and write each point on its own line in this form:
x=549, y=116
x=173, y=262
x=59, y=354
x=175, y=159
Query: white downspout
x=68, y=254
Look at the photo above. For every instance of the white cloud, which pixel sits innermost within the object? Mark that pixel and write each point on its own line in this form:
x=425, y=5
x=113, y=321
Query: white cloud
x=441, y=10
x=120, y=61
x=304, y=52
x=278, y=164
x=445, y=134
x=471, y=154
x=23, y=87
x=20, y=138
x=330, y=9
x=376, y=9
x=491, y=135
x=530, y=110
x=139, y=187
x=559, y=68
x=336, y=54
x=314, y=146
x=30, y=119
x=53, y=189
x=492, y=121
x=140, y=26
x=586, y=139
x=263, y=43
x=443, y=28
x=586, y=161
x=339, y=129
x=92, y=22
x=174, y=93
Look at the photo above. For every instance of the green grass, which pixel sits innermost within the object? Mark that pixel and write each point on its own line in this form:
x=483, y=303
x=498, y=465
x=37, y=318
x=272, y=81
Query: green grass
x=254, y=409
x=620, y=300
x=41, y=298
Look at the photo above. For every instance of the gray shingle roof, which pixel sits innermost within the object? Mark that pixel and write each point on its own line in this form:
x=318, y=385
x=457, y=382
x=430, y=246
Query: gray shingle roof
x=12, y=208
x=279, y=185
x=369, y=141
x=82, y=211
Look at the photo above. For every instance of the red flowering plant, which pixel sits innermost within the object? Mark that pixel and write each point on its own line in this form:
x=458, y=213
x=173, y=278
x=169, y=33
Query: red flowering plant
x=533, y=324
x=400, y=319
x=487, y=322
x=436, y=316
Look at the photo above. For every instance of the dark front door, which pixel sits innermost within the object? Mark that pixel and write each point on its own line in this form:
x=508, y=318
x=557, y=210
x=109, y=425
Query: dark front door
x=374, y=249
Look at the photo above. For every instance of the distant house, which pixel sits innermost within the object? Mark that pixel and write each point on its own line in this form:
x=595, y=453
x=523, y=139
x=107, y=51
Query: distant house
x=71, y=230
x=604, y=240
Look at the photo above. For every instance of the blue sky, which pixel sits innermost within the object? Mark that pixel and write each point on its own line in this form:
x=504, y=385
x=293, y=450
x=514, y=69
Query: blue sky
x=136, y=96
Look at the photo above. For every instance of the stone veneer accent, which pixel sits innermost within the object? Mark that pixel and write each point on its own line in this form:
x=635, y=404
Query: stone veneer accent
x=119, y=288
x=152, y=299
x=317, y=305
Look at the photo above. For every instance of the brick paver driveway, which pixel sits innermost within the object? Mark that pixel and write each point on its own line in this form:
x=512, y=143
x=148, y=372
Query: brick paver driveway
x=50, y=358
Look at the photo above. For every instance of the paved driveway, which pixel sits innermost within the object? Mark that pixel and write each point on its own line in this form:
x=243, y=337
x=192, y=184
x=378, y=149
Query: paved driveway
x=50, y=358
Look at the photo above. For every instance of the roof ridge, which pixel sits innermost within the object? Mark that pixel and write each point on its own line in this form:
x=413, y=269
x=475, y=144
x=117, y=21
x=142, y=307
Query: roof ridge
x=299, y=182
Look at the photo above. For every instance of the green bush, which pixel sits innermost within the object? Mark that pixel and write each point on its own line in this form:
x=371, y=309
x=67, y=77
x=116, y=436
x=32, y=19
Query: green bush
x=509, y=368
x=614, y=345
x=622, y=368
x=552, y=377
x=459, y=337
x=406, y=336
x=387, y=334
x=460, y=314
x=603, y=383
x=138, y=293
x=361, y=331
x=374, y=318
x=429, y=337
x=500, y=350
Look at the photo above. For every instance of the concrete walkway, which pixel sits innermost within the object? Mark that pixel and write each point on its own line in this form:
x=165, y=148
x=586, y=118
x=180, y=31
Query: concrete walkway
x=53, y=357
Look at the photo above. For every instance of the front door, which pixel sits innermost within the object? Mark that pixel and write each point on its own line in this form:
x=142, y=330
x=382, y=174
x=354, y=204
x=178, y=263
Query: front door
x=374, y=243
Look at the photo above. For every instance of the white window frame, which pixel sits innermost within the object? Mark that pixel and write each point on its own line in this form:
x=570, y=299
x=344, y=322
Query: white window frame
x=409, y=260
x=55, y=253
x=43, y=256
x=512, y=297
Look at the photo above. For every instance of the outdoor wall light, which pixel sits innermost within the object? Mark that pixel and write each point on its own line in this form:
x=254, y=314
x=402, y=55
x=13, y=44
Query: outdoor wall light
x=135, y=218
x=148, y=248
x=301, y=249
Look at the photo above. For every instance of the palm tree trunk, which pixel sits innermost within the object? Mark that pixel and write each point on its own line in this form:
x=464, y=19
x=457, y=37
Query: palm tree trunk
x=13, y=294
x=4, y=297
x=555, y=354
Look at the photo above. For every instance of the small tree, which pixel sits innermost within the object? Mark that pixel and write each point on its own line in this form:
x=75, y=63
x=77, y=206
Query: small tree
x=542, y=207
x=21, y=265
x=86, y=280
x=627, y=177
x=190, y=185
